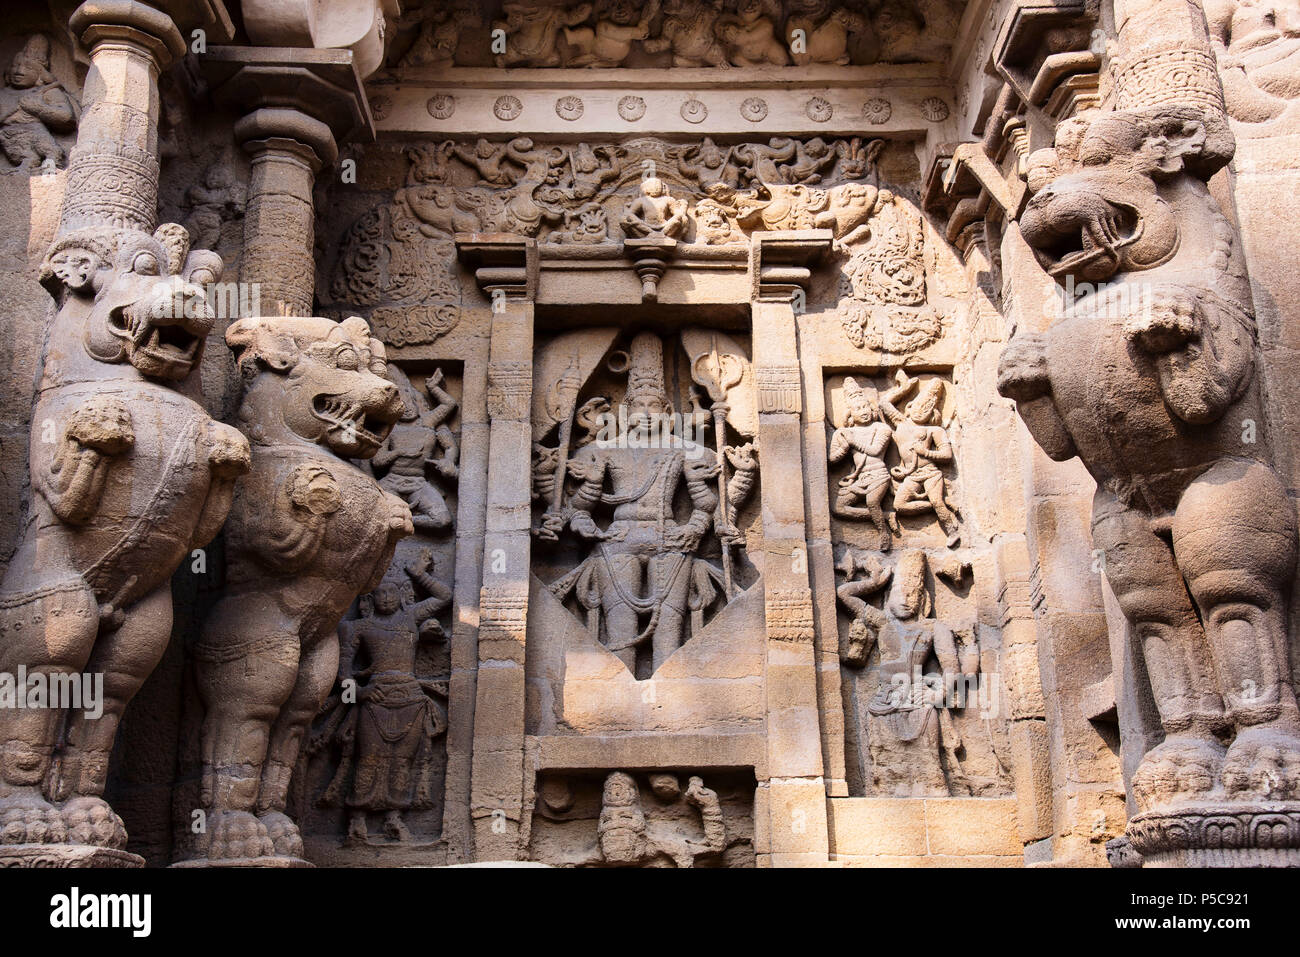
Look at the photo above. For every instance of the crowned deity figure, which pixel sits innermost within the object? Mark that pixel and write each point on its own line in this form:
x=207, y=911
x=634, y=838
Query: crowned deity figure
x=642, y=574
x=865, y=439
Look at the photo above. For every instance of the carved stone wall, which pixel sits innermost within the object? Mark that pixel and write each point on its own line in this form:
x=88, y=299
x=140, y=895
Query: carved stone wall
x=745, y=433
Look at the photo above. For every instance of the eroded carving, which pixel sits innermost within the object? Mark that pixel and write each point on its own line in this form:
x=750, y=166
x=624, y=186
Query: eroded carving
x=308, y=532
x=131, y=478
x=35, y=109
x=914, y=742
x=1198, y=532
x=385, y=718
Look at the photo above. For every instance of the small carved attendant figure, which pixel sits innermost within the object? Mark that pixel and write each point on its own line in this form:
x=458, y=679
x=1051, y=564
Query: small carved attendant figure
x=688, y=31
x=862, y=491
x=624, y=837
x=211, y=203
x=34, y=108
x=924, y=448
x=654, y=214
x=532, y=30
x=420, y=440
x=750, y=34
x=609, y=42
x=388, y=737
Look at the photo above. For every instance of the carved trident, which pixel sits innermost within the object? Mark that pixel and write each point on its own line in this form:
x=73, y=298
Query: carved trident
x=719, y=372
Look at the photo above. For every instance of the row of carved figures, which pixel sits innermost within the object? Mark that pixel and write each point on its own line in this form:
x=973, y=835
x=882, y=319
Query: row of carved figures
x=688, y=33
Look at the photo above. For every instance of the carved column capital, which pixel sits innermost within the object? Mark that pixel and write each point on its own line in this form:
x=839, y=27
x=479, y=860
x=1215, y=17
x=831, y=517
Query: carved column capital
x=505, y=265
x=129, y=24
x=780, y=262
x=289, y=132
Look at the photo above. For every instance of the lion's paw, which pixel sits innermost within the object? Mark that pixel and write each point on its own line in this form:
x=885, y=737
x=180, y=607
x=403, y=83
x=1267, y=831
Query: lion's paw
x=90, y=820
x=284, y=835
x=1177, y=768
x=1263, y=763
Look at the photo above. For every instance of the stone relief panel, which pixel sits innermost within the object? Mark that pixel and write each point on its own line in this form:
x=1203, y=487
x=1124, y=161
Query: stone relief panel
x=641, y=510
x=39, y=111
x=644, y=819
x=370, y=784
x=675, y=33
x=919, y=667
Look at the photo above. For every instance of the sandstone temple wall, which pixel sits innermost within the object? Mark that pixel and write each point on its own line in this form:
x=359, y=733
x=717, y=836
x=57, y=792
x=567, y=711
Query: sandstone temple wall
x=742, y=433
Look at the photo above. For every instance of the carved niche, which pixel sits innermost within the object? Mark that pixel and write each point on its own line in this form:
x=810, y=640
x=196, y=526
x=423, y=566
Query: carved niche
x=645, y=459
x=633, y=819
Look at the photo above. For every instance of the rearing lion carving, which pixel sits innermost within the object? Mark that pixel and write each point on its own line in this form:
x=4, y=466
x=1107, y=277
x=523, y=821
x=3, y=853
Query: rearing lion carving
x=129, y=475
x=308, y=532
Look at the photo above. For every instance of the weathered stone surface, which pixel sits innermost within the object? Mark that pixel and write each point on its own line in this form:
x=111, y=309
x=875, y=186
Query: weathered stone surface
x=767, y=433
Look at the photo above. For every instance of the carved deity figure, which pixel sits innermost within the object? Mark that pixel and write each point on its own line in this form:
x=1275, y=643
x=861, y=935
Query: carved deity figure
x=654, y=214
x=827, y=26
x=619, y=24
x=418, y=442
x=33, y=108
x=387, y=735
x=689, y=32
x=749, y=33
x=707, y=163
x=863, y=436
x=625, y=838
x=129, y=476
x=211, y=203
x=1257, y=43
x=641, y=572
x=1150, y=380
x=923, y=450
x=592, y=168
x=308, y=532
x=909, y=719
x=532, y=29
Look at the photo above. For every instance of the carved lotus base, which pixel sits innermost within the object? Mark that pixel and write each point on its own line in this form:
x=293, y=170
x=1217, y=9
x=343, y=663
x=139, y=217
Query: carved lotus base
x=1219, y=834
x=66, y=855
x=270, y=861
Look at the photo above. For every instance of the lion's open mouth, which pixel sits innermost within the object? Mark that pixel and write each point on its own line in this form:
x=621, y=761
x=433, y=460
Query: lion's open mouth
x=169, y=347
x=349, y=418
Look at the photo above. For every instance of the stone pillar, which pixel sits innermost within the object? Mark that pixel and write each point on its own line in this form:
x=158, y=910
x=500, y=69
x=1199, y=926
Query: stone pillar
x=504, y=270
x=790, y=806
x=113, y=170
x=288, y=148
